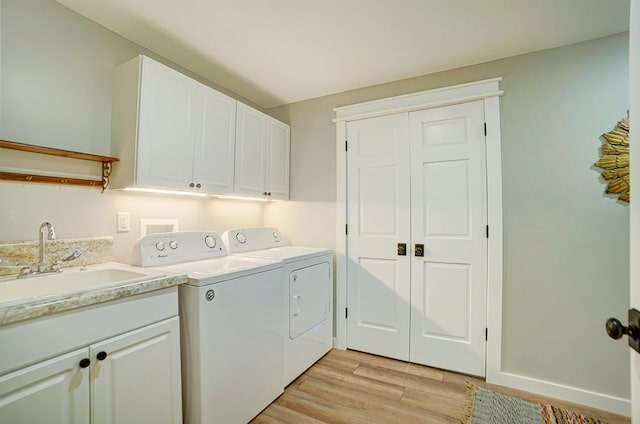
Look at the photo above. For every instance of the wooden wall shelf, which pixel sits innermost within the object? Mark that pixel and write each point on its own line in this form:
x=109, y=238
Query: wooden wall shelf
x=48, y=179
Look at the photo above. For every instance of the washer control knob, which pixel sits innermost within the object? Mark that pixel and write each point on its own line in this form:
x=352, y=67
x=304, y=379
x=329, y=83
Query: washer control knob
x=241, y=238
x=173, y=244
x=160, y=246
x=275, y=235
x=210, y=241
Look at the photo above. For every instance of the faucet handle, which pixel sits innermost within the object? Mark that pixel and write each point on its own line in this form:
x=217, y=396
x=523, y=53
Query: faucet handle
x=24, y=271
x=75, y=255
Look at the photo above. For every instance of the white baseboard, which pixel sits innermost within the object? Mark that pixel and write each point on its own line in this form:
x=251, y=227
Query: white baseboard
x=608, y=403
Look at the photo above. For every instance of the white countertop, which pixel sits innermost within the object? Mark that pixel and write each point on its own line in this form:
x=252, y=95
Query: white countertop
x=35, y=296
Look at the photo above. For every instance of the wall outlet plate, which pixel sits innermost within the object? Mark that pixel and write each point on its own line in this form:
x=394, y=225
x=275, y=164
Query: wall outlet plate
x=123, y=222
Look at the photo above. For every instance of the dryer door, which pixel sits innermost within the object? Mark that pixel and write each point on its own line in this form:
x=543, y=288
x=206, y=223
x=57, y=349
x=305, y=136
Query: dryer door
x=309, y=297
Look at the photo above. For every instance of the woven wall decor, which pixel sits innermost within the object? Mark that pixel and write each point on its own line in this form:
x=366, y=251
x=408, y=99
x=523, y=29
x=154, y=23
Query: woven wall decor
x=615, y=160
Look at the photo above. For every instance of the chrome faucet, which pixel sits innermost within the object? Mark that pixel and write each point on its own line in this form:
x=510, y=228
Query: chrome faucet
x=46, y=233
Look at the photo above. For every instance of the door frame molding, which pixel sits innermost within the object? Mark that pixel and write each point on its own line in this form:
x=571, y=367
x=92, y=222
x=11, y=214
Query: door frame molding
x=487, y=90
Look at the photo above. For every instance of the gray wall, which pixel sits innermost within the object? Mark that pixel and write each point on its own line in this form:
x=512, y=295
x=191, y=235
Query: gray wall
x=56, y=69
x=565, y=243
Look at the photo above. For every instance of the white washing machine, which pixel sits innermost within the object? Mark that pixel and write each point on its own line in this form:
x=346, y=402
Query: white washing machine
x=232, y=330
x=308, y=279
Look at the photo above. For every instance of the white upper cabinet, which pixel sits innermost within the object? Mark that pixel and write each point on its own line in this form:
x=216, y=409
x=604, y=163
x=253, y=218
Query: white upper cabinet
x=165, y=131
x=250, y=151
x=170, y=131
x=262, y=155
x=277, y=164
x=215, y=141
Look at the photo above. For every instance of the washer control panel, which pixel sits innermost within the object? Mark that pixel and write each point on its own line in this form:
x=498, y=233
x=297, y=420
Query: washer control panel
x=249, y=239
x=172, y=248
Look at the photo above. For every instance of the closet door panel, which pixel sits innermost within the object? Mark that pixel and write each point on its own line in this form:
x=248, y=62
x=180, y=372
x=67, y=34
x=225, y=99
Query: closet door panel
x=448, y=195
x=378, y=219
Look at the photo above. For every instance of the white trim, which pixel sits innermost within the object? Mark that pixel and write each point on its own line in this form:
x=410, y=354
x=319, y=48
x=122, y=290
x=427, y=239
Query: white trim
x=340, y=341
x=422, y=100
x=559, y=391
x=494, y=243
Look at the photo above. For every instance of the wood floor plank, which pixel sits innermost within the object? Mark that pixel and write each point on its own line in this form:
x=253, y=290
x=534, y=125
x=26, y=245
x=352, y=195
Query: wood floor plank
x=447, y=405
x=348, y=387
x=285, y=415
x=382, y=388
x=391, y=376
x=376, y=408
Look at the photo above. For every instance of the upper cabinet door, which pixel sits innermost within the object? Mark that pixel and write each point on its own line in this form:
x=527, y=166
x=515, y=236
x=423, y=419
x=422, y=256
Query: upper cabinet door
x=214, y=149
x=250, y=151
x=165, y=140
x=277, y=166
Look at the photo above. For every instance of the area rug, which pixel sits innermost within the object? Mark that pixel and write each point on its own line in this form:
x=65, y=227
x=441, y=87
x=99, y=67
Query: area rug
x=496, y=408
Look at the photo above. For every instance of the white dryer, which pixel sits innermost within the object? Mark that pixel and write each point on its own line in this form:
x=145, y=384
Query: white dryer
x=232, y=332
x=308, y=279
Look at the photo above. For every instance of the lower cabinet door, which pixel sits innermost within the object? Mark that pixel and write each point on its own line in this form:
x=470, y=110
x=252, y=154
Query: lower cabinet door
x=52, y=391
x=135, y=377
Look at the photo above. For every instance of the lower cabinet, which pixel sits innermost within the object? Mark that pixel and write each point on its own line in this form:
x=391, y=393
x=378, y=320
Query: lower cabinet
x=133, y=377
x=138, y=379
x=53, y=391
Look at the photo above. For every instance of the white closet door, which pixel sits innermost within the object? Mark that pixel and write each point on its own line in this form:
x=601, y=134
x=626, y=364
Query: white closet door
x=448, y=194
x=378, y=219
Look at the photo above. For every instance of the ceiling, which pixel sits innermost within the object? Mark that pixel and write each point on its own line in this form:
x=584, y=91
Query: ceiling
x=274, y=52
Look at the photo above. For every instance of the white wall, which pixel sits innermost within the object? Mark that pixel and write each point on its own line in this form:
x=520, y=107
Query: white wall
x=565, y=243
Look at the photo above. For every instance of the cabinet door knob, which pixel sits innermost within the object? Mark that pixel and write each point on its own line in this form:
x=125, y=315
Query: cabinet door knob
x=265, y=193
x=198, y=185
x=84, y=363
x=192, y=185
x=102, y=355
x=269, y=193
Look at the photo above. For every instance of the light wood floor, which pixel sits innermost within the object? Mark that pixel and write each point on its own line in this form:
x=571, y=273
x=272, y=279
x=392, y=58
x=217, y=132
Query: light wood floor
x=358, y=388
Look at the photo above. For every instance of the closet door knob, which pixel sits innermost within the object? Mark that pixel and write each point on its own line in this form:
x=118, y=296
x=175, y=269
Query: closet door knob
x=419, y=250
x=101, y=355
x=402, y=249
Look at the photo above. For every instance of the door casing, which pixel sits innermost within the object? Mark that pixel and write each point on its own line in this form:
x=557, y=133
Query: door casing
x=489, y=92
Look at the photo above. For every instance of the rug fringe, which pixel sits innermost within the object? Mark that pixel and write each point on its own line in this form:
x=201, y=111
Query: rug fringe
x=470, y=394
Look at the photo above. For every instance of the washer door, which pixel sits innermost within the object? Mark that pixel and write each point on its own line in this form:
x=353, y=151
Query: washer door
x=309, y=291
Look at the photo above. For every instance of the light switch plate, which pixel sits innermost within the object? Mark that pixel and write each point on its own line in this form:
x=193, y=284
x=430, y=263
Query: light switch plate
x=123, y=222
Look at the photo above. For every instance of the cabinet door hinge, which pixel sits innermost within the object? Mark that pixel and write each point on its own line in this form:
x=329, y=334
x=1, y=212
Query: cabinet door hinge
x=346, y=313
x=485, y=129
x=486, y=334
x=345, y=145
x=487, y=231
